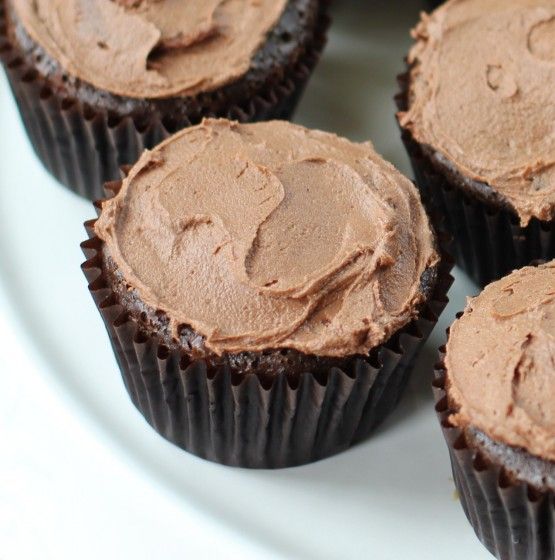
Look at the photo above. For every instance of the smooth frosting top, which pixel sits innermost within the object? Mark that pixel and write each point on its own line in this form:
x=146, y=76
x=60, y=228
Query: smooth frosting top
x=269, y=235
x=482, y=95
x=501, y=361
x=151, y=48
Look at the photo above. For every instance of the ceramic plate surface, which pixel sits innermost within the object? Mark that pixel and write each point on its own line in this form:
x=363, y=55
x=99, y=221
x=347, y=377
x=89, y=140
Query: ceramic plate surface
x=83, y=477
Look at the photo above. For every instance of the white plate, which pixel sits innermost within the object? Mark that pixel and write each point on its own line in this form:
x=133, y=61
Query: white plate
x=83, y=476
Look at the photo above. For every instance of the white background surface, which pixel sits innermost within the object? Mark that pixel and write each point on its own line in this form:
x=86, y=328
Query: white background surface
x=83, y=477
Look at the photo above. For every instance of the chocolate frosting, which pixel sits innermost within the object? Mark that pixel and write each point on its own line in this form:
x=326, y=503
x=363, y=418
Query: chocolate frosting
x=501, y=361
x=151, y=48
x=482, y=96
x=268, y=236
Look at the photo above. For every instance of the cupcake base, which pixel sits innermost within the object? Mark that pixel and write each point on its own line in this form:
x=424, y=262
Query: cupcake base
x=488, y=240
x=513, y=519
x=286, y=419
x=84, y=145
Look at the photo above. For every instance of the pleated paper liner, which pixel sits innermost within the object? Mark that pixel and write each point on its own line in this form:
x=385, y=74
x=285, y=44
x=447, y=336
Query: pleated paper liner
x=488, y=241
x=84, y=147
x=514, y=520
x=248, y=421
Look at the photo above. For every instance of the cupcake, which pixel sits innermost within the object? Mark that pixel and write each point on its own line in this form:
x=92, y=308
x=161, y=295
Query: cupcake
x=98, y=81
x=265, y=288
x=496, y=400
x=476, y=111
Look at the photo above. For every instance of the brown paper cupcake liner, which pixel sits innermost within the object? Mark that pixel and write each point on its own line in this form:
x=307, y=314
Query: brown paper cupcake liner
x=250, y=421
x=84, y=147
x=488, y=241
x=511, y=518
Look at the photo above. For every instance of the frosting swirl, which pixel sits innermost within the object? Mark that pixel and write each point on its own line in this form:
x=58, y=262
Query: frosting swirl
x=269, y=236
x=151, y=48
x=482, y=96
x=501, y=361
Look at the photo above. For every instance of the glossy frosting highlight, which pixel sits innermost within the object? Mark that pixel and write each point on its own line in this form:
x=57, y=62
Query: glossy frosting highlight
x=151, y=48
x=482, y=96
x=501, y=361
x=269, y=236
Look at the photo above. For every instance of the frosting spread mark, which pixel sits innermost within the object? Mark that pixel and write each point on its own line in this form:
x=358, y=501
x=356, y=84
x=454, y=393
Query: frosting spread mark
x=541, y=39
x=482, y=96
x=151, y=48
x=271, y=236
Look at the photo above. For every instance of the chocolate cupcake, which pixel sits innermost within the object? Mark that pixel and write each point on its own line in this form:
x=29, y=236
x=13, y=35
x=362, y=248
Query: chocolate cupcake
x=265, y=288
x=496, y=400
x=99, y=81
x=476, y=110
